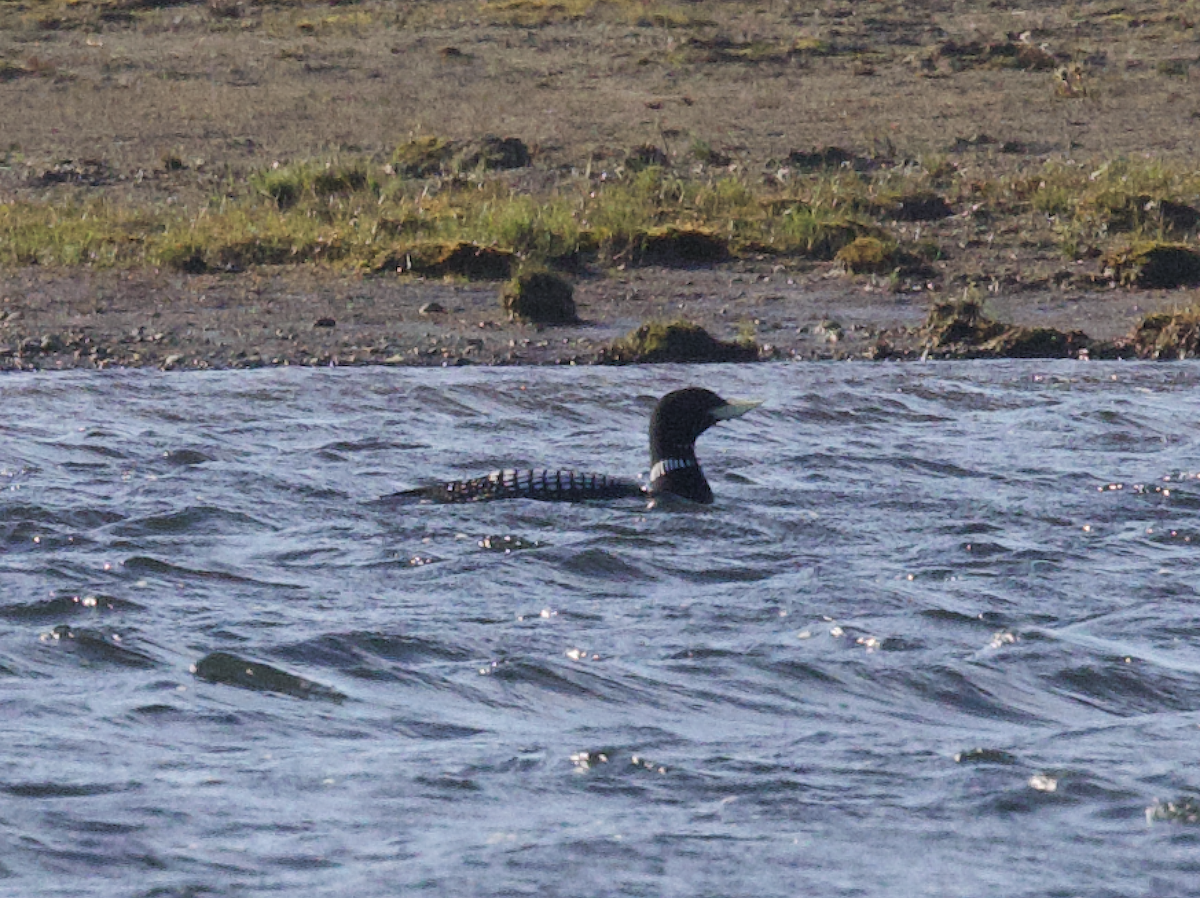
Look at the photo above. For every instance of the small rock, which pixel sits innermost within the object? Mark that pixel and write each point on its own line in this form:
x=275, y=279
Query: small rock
x=325, y=322
x=431, y=308
x=172, y=361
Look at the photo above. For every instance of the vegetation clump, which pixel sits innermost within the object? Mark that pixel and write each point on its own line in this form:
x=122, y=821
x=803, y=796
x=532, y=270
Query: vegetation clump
x=235, y=254
x=960, y=322
x=703, y=151
x=674, y=246
x=422, y=157
x=288, y=184
x=1161, y=266
x=539, y=297
x=816, y=233
x=923, y=206
x=452, y=259
x=645, y=156
x=86, y=173
x=1038, y=343
x=962, y=329
x=996, y=55
x=1172, y=216
x=868, y=255
x=1168, y=335
x=1140, y=212
x=185, y=257
x=827, y=158
x=493, y=154
x=426, y=157
x=10, y=71
x=676, y=341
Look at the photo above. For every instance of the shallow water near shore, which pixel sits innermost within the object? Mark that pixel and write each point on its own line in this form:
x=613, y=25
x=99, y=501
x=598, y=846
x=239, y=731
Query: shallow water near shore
x=937, y=635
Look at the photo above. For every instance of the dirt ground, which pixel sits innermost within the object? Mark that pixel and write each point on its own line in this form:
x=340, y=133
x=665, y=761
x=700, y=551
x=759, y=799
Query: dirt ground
x=229, y=88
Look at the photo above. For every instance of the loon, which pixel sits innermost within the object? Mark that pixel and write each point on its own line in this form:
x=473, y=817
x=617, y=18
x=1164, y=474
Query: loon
x=678, y=419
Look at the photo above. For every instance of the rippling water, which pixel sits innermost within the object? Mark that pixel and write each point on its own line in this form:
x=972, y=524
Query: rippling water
x=937, y=636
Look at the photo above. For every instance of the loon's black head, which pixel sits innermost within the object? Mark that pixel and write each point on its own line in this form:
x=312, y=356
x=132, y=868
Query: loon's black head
x=678, y=419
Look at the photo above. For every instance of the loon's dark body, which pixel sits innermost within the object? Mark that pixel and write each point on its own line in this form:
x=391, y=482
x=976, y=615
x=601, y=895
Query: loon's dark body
x=679, y=418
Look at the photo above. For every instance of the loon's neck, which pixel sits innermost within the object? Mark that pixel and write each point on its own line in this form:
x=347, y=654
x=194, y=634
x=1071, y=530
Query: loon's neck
x=679, y=474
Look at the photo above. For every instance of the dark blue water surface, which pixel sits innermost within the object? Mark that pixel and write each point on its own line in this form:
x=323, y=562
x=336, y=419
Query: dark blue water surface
x=937, y=636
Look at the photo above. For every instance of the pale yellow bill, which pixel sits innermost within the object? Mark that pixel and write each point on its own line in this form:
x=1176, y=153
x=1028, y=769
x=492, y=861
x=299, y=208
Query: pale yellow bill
x=735, y=408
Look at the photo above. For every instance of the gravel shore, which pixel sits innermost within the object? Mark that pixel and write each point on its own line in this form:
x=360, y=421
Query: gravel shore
x=306, y=316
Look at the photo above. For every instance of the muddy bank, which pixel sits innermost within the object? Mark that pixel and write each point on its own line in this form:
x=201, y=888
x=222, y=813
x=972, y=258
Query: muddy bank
x=305, y=316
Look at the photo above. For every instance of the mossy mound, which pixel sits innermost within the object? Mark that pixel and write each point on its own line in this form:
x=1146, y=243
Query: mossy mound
x=961, y=329
x=917, y=207
x=645, y=156
x=672, y=247
x=493, y=154
x=1173, y=335
x=1174, y=216
x=10, y=71
x=868, y=255
x=539, y=297
x=1035, y=343
x=827, y=238
x=423, y=157
x=1123, y=212
x=467, y=260
x=427, y=157
x=996, y=55
x=960, y=322
x=84, y=172
x=705, y=153
x=827, y=158
x=676, y=341
x=184, y=257
x=1150, y=266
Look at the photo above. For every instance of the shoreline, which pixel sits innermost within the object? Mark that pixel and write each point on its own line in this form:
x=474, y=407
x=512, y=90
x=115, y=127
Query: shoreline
x=302, y=316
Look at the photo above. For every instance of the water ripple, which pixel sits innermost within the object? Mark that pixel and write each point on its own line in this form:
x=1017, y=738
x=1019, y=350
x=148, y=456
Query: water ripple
x=932, y=608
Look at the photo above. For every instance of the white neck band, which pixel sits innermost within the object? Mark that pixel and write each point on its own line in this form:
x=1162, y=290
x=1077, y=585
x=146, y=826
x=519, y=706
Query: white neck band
x=667, y=465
